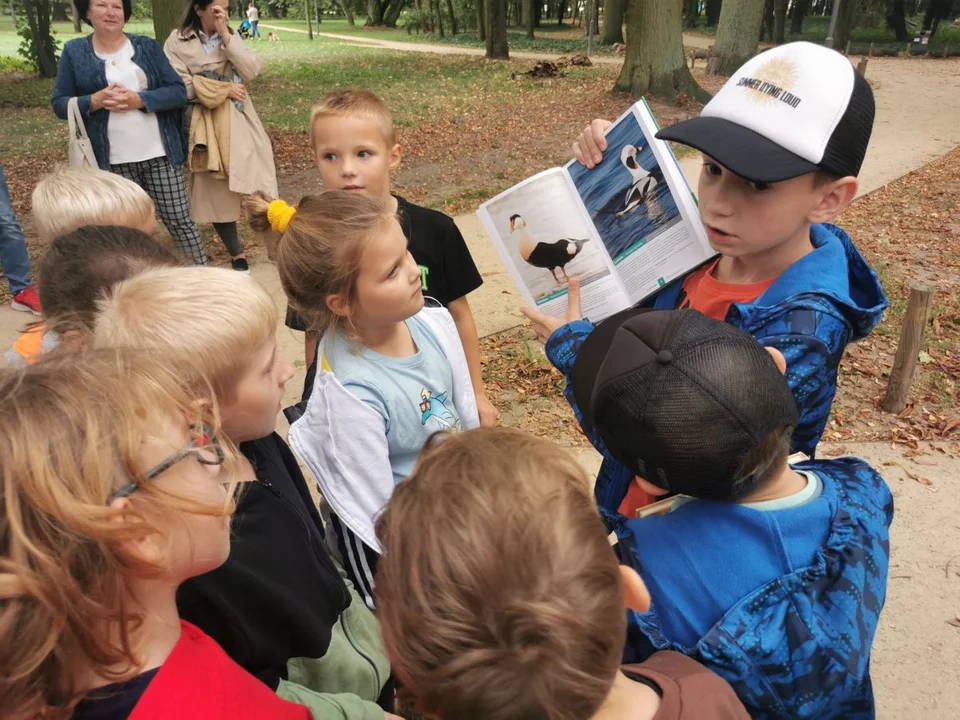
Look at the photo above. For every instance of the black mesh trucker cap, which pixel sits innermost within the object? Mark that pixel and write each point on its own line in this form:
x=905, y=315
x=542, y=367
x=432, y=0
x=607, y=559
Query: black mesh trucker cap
x=679, y=398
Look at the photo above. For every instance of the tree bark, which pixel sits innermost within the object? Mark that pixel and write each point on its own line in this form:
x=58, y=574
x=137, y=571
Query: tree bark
x=779, y=21
x=60, y=12
x=453, y=18
x=528, y=17
x=800, y=10
x=845, y=20
x=482, y=20
x=738, y=33
x=38, y=19
x=309, y=19
x=166, y=16
x=766, y=27
x=654, y=61
x=561, y=10
x=714, y=8
x=691, y=13
x=497, y=30
x=439, y=11
x=613, y=12
x=348, y=11
x=393, y=14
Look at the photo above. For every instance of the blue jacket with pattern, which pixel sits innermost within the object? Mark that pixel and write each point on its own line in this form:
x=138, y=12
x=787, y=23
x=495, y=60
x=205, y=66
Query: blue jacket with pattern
x=825, y=300
x=798, y=646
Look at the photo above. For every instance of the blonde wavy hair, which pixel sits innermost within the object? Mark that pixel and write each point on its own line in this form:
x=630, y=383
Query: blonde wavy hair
x=71, y=432
x=354, y=102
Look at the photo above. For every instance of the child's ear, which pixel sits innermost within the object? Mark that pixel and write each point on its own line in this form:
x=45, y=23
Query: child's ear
x=635, y=593
x=836, y=196
x=338, y=305
x=74, y=340
x=146, y=547
x=778, y=358
x=396, y=155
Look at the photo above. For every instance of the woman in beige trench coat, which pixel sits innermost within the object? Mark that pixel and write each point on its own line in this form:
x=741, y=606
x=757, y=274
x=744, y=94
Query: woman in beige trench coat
x=205, y=46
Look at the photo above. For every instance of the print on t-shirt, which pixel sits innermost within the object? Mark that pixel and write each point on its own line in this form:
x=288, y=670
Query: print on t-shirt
x=434, y=407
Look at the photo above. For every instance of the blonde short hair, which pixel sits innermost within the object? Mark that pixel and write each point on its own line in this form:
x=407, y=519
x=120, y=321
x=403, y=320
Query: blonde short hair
x=355, y=103
x=71, y=198
x=498, y=594
x=206, y=321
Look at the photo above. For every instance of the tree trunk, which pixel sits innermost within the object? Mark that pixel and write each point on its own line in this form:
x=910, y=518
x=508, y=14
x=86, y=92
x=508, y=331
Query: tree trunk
x=691, y=13
x=375, y=11
x=396, y=7
x=38, y=19
x=453, y=18
x=779, y=21
x=497, y=30
x=348, y=11
x=613, y=11
x=897, y=20
x=654, y=61
x=439, y=11
x=561, y=9
x=74, y=15
x=60, y=12
x=737, y=34
x=481, y=20
x=528, y=12
x=800, y=10
x=166, y=16
x=766, y=27
x=845, y=20
x=590, y=8
x=306, y=11
x=316, y=8
x=714, y=8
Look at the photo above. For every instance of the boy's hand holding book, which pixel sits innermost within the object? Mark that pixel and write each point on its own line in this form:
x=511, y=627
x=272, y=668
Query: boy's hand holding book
x=545, y=325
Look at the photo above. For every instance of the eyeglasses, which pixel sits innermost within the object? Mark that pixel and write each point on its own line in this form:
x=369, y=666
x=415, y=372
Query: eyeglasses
x=205, y=448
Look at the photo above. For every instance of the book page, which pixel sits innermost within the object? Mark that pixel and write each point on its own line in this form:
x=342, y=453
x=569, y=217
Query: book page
x=641, y=207
x=540, y=230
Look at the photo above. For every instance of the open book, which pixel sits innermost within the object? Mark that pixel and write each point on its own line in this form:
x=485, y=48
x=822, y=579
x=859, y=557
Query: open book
x=626, y=228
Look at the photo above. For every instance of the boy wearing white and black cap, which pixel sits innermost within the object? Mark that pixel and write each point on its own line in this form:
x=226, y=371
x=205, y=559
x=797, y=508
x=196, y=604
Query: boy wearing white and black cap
x=782, y=143
x=772, y=575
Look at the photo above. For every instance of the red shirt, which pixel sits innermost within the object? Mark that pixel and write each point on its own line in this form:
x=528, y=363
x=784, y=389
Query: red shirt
x=703, y=292
x=199, y=682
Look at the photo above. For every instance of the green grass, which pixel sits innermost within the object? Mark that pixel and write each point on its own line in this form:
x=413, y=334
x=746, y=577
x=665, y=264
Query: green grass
x=815, y=30
x=517, y=39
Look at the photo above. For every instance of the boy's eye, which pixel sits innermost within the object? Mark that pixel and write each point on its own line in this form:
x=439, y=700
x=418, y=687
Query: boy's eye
x=712, y=169
x=330, y=157
x=364, y=154
x=393, y=272
x=759, y=186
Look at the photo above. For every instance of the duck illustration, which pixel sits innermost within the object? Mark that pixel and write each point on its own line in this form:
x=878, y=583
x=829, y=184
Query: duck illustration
x=644, y=181
x=436, y=407
x=547, y=255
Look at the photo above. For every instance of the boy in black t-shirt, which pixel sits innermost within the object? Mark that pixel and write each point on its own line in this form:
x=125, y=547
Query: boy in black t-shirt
x=355, y=148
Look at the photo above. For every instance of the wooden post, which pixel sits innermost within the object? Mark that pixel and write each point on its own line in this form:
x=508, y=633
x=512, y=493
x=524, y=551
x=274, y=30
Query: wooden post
x=847, y=50
x=862, y=66
x=911, y=339
x=870, y=54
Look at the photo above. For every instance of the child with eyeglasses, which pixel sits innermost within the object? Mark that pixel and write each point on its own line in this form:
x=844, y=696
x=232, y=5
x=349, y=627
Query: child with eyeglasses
x=104, y=515
x=279, y=605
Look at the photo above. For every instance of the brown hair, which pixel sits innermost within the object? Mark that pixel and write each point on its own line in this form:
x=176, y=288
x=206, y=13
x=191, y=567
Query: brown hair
x=321, y=251
x=71, y=433
x=498, y=593
x=81, y=268
x=355, y=102
x=763, y=463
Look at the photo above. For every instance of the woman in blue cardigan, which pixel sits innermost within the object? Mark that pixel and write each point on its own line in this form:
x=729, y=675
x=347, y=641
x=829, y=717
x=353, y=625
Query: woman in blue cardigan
x=130, y=98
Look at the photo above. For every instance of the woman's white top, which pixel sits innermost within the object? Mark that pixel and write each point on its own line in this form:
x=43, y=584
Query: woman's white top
x=134, y=136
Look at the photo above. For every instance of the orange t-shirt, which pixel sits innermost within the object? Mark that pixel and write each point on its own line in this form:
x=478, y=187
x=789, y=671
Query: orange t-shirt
x=703, y=292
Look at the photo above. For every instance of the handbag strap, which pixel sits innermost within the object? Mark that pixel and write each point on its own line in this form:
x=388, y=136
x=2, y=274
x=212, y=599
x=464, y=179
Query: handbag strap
x=78, y=130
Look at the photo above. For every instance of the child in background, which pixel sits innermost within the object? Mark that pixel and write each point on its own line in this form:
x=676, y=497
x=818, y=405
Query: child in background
x=500, y=597
x=78, y=269
x=782, y=144
x=116, y=489
x=64, y=201
x=772, y=575
x=390, y=371
x=71, y=198
x=355, y=148
x=278, y=605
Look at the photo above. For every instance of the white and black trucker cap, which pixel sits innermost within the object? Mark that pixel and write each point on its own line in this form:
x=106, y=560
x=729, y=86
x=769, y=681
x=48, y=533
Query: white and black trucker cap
x=791, y=110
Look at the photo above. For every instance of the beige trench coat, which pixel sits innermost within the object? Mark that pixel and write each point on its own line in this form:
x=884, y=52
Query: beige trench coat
x=251, y=155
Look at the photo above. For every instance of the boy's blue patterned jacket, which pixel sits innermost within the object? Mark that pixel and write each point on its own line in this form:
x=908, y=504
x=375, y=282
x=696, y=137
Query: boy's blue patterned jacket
x=822, y=302
x=798, y=647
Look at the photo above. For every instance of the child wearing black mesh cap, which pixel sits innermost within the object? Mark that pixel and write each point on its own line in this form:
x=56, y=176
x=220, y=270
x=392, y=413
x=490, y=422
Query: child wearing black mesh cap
x=772, y=575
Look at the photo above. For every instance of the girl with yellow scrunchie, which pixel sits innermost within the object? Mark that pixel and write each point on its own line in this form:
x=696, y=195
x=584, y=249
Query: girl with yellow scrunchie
x=391, y=372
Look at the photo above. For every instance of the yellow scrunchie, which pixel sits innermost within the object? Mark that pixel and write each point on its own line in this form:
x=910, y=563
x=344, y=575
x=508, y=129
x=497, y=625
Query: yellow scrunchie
x=279, y=215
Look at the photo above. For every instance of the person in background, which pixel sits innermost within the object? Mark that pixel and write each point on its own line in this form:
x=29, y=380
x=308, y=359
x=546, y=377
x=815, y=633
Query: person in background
x=253, y=15
x=215, y=66
x=14, y=259
x=130, y=99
